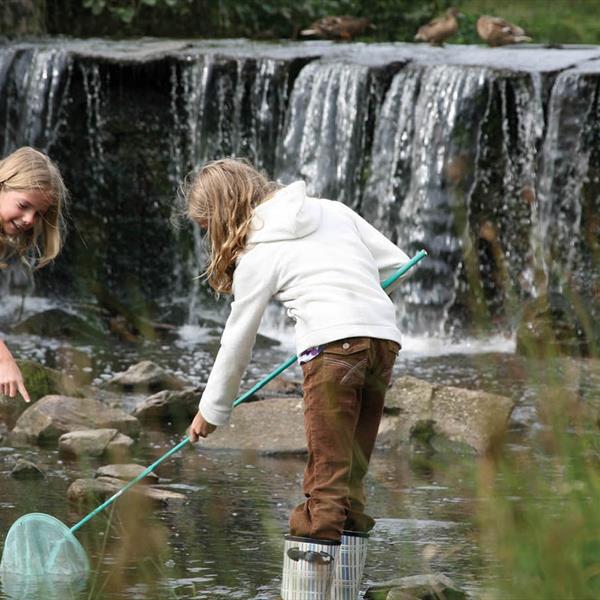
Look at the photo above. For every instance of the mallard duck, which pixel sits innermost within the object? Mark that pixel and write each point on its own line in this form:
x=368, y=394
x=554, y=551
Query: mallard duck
x=496, y=31
x=436, y=32
x=343, y=27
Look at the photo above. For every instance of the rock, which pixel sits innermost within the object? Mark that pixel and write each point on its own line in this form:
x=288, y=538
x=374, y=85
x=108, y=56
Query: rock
x=280, y=387
x=24, y=469
x=416, y=587
x=169, y=408
x=94, y=491
x=40, y=381
x=442, y=417
x=146, y=377
x=95, y=442
x=272, y=426
x=126, y=472
x=52, y=416
x=57, y=323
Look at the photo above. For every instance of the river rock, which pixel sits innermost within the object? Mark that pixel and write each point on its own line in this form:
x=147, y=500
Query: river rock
x=442, y=417
x=95, y=442
x=126, y=472
x=145, y=376
x=280, y=386
x=25, y=469
x=169, y=408
x=40, y=381
x=274, y=426
x=416, y=587
x=99, y=489
x=52, y=416
x=60, y=324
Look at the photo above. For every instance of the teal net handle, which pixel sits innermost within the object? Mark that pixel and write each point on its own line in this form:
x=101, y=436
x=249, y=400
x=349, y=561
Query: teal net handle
x=282, y=367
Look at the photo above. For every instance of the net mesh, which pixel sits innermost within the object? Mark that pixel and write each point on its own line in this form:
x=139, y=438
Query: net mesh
x=39, y=545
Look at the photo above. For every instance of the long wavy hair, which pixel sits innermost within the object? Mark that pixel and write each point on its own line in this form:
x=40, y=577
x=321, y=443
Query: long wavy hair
x=27, y=169
x=220, y=197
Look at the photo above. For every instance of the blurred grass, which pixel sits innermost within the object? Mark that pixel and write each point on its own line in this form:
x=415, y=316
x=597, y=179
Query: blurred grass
x=546, y=21
x=539, y=513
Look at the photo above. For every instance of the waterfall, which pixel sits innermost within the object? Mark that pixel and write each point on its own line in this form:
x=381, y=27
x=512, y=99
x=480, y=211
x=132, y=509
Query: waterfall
x=323, y=140
x=567, y=235
x=488, y=160
x=34, y=84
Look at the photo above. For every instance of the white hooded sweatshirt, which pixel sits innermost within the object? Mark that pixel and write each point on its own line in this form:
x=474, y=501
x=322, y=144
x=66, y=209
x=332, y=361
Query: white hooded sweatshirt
x=325, y=263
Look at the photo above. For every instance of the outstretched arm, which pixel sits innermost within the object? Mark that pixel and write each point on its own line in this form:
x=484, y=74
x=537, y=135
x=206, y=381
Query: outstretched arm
x=252, y=292
x=11, y=380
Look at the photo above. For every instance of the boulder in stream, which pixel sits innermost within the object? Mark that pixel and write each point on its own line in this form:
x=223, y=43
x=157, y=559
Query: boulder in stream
x=96, y=442
x=60, y=324
x=25, y=469
x=40, y=381
x=52, y=416
x=126, y=472
x=274, y=426
x=442, y=417
x=416, y=587
x=109, y=479
x=145, y=377
x=169, y=408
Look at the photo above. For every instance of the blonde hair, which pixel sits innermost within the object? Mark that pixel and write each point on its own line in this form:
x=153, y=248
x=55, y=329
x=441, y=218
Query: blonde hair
x=221, y=198
x=27, y=169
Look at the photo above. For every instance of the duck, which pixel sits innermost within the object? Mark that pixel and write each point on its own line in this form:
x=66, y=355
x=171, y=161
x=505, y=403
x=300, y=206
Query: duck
x=496, y=31
x=437, y=31
x=342, y=27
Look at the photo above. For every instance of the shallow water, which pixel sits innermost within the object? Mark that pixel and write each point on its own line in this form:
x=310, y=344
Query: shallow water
x=226, y=540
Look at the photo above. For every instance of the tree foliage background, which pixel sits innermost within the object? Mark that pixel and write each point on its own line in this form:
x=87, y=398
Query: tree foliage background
x=546, y=21
x=258, y=19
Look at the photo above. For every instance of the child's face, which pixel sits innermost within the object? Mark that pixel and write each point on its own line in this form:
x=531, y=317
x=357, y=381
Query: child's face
x=20, y=209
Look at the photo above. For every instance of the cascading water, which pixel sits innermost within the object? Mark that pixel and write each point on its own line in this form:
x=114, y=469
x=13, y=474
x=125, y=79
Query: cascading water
x=444, y=149
x=34, y=84
x=323, y=142
x=567, y=233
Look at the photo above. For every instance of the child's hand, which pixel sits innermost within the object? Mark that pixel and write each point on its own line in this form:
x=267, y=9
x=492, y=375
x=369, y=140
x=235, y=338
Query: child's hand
x=11, y=380
x=200, y=427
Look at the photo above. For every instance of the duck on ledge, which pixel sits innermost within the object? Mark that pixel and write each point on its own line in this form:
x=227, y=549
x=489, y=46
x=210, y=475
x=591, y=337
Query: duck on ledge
x=437, y=31
x=496, y=31
x=343, y=27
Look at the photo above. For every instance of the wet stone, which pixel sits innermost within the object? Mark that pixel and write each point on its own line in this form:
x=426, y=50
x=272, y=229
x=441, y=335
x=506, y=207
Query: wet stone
x=145, y=376
x=416, y=587
x=25, y=469
x=125, y=472
x=95, y=442
x=52, y=416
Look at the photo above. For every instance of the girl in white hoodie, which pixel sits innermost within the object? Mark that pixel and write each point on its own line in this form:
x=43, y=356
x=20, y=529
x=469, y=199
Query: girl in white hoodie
x=325, y=264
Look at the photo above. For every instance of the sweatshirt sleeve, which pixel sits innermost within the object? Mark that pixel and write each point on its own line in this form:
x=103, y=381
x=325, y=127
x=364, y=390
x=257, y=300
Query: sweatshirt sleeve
x=388, y=257
x=251, y=296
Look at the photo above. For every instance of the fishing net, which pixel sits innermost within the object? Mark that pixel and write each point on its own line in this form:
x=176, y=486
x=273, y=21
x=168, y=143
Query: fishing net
x=39, y=545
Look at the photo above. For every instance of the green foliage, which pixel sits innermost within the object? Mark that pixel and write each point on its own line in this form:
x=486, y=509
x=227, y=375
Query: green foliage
x=394, y=20
x=573, y=22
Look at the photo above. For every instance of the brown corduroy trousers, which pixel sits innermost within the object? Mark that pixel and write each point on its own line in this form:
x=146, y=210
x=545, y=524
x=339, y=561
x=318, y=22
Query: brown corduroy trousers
x=344, y=390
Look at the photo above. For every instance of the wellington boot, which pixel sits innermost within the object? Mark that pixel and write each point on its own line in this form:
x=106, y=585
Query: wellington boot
x=307, y=568
x=349, y=566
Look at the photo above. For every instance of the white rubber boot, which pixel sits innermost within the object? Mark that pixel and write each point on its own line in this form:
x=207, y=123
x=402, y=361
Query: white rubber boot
x=307, y=568
x=349, y=566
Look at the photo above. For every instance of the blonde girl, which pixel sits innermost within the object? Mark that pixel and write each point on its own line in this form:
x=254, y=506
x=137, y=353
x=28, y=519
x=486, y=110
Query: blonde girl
x=32, y=196
x=325, y=264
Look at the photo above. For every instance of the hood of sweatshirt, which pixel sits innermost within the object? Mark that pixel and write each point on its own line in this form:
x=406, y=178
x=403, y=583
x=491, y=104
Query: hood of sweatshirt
x=288, y=215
